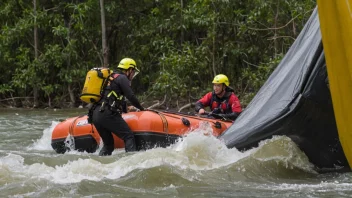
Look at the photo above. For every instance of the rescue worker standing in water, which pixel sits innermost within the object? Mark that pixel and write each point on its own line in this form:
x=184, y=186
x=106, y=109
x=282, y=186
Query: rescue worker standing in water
x=107, y=117
x=222, y=100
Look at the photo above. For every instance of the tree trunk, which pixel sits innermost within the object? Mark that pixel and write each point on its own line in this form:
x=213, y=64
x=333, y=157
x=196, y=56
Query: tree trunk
x=35, y=88
x=68, y=61
x=103, y=36
x=275, y=31
x=214, y=48
x=72, y=96
x=182, y=30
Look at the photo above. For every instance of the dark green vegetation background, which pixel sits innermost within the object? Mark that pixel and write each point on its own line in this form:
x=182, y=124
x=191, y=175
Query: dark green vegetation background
x=178, y=45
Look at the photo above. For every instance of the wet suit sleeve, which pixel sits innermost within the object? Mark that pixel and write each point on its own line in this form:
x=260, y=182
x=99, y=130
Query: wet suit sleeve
x=198, y=106
x=235, y=104
x=203, y=102
x=128, y=93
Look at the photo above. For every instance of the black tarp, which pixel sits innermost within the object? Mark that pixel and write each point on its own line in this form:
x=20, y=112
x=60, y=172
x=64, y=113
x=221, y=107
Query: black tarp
x=295, y=101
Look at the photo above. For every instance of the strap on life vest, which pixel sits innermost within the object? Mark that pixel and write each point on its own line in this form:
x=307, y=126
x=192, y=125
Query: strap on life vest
x=224, y=99
x=112, y=93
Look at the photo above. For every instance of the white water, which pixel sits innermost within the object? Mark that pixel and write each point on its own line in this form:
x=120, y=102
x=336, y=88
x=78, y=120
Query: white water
x=196, y=151
x=199, y=164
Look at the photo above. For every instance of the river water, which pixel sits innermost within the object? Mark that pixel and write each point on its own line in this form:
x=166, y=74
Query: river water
x=197, y=166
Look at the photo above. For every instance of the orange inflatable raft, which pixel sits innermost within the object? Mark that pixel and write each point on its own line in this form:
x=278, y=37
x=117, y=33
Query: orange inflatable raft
x=151, y=129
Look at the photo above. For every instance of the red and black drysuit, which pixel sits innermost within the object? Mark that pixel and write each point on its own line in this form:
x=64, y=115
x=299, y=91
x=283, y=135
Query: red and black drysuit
x=107, y=117
x=228, y=106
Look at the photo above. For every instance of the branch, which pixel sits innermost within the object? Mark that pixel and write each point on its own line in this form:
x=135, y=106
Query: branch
x=158, y=104
x=186, y=106
x=15, y=98
x=251, y=64
x=277, y=28
x=276, y=37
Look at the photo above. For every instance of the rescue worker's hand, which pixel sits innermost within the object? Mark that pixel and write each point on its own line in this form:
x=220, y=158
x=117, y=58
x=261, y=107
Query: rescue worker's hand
x=131, y=109
x=201, y=111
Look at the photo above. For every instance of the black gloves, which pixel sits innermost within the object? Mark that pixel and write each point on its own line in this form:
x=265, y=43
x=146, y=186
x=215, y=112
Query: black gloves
x=217, y=116
x=90, y=119
x=90, y=116
x=222, y=115
x=229, y=116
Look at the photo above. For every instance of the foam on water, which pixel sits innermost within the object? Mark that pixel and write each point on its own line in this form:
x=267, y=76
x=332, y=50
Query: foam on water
x=195, y=151
x=199, y=150
x=44, y=143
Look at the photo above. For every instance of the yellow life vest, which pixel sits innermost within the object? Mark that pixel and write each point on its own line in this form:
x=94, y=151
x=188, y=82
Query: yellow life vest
x=96, y=80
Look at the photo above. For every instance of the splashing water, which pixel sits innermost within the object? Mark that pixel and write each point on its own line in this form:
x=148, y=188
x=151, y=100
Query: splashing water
x=70, y=142
x=198, y=164
x=195, y=151
x=44, y=143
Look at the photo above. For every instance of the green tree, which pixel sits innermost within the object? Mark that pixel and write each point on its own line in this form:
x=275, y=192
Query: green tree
x=179, y=45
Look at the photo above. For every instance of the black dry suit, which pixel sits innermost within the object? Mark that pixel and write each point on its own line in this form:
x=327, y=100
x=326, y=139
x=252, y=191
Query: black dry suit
x=107, y=117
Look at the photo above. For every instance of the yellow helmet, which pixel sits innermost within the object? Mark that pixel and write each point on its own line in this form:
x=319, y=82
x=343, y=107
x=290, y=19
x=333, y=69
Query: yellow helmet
x=127, y=63
x=221, y=78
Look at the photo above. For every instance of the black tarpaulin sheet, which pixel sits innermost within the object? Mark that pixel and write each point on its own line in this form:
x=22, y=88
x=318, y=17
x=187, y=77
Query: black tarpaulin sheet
x=295, y=101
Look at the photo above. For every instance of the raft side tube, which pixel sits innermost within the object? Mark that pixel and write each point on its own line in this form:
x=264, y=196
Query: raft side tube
x=83, y=143
x=149, y=140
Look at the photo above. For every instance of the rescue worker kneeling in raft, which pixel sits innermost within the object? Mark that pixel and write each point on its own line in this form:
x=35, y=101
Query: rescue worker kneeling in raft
x=107, y=117
x=222, y=100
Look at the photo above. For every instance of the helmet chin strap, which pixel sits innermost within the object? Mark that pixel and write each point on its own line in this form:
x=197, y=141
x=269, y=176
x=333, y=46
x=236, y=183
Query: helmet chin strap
x=129, y=74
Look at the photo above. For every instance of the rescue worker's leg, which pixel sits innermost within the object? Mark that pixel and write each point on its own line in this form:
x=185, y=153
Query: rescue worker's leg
x=99, y=122
x=120, y=128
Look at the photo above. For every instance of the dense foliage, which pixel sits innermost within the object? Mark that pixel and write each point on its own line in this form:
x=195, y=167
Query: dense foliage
x=179, y=45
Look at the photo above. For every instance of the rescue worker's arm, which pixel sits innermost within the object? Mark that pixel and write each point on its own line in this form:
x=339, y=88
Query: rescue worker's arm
x=203, y=102
x=235, y=104
x=229, y=116
x=128, y=93
x=198, y=106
